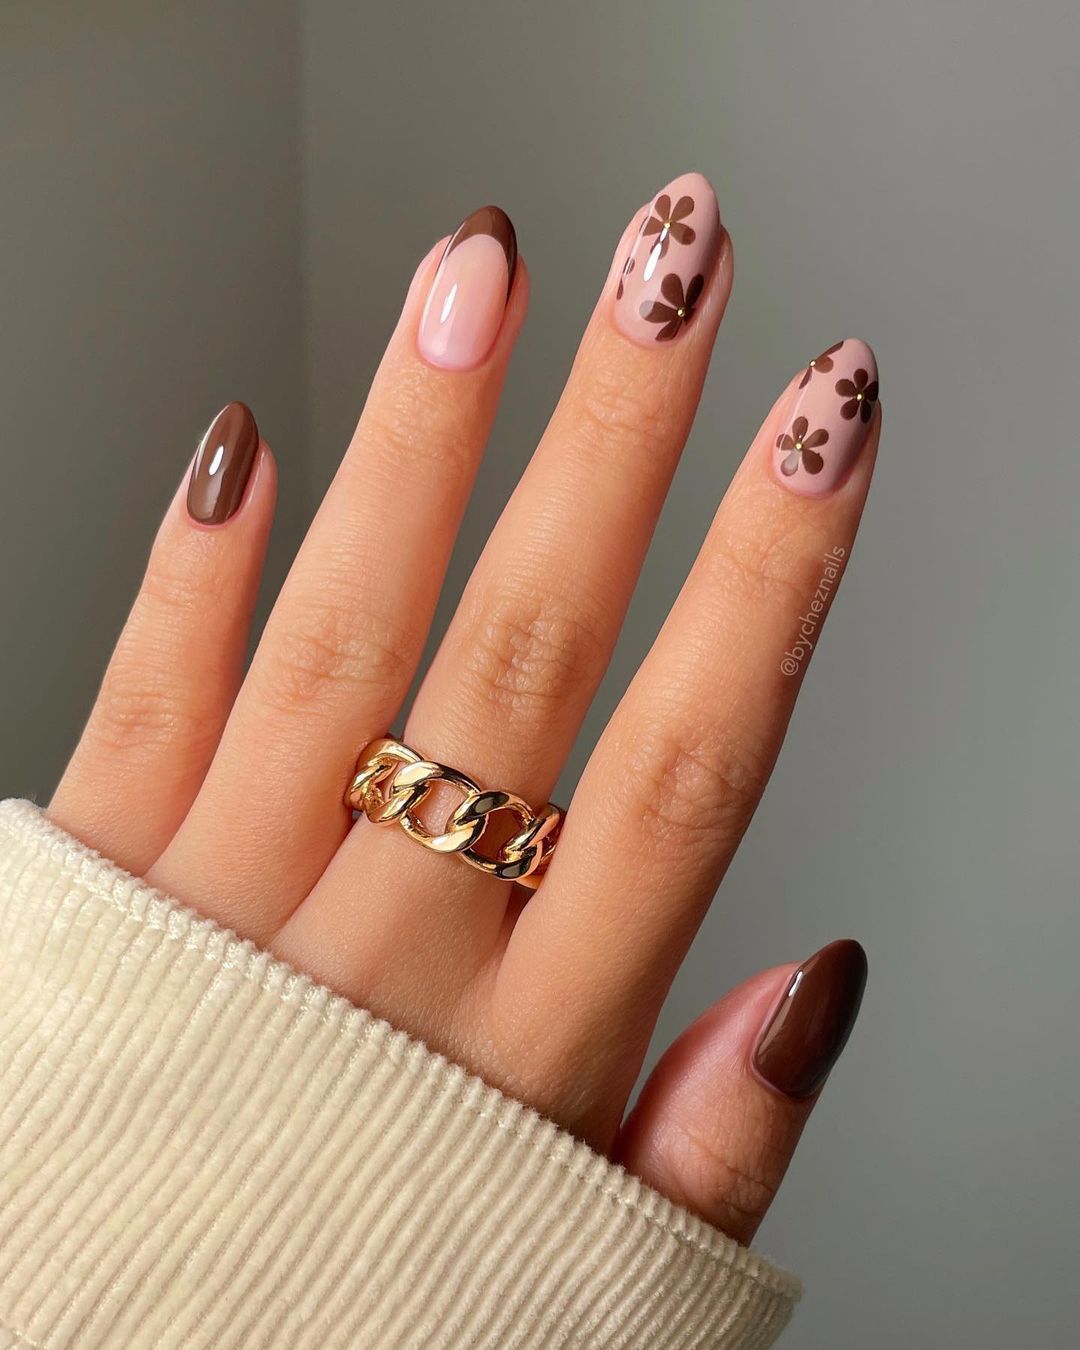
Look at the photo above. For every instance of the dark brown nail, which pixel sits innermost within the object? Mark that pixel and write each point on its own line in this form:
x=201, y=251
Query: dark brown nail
x=223, y=465
x=807, y=1032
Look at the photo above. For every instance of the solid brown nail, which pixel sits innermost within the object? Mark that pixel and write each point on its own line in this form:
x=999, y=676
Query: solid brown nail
x=223, y=465
x=807, y=1032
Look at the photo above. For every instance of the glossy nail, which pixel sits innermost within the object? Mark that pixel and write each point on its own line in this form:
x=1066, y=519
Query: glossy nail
x=223, y=465
x=464, y=310
x=828, y=419
x=670, y=262
x=806, y=1033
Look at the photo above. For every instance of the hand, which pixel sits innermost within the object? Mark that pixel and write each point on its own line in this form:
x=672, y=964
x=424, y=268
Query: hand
x=226, y=789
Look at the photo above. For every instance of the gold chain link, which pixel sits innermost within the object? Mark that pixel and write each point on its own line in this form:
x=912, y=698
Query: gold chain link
x=391, y=782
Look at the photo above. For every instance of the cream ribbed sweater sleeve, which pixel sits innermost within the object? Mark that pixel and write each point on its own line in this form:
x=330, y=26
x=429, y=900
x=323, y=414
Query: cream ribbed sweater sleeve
x=201, y=1148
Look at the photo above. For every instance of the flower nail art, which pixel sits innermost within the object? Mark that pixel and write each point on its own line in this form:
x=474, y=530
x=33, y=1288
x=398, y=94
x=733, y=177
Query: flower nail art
x=827, y=420
x=801, y=446
x=861, y=394
x=823, y=364
x=670, y=261
x=669, y=222
x=679, y=309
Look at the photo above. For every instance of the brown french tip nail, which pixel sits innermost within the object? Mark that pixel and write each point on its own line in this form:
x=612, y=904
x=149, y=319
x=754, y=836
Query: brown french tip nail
x=223, y=465
x=470, y=290
x=810, y=1027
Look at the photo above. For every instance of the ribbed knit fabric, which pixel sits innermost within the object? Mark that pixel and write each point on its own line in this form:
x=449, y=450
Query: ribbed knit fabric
x=200, y=1147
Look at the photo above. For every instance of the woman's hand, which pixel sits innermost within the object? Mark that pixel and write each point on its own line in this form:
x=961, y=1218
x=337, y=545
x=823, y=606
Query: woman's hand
x=226, y=789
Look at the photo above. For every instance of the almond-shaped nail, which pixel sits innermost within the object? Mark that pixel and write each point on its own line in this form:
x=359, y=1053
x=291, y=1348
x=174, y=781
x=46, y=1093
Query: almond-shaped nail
x=223, y=465
x=465, y=307
x=670, y=261
x=810, y=1027
x=828, y=419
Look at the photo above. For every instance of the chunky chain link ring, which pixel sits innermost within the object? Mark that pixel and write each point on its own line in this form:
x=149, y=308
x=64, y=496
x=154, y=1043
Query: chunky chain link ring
x=391, y=782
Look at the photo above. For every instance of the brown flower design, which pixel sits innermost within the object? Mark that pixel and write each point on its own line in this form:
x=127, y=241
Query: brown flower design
x=679, y=309
x=801, y=447
x=861, y=394
x=823, y=363
x=628, y=267
x=669, y=222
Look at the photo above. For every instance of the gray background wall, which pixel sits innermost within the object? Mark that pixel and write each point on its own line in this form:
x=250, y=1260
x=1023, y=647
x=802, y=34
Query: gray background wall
x=216, y=201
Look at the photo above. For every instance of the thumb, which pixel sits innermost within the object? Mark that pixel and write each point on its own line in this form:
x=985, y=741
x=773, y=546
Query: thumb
x=719, y=1117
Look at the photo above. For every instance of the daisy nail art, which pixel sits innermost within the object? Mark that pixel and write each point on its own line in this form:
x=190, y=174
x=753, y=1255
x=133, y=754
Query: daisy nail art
x=669, y=262
x=828, y=420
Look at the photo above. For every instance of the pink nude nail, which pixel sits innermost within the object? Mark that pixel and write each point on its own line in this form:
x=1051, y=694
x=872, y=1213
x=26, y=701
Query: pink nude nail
x=464, y=310
x=670, y=261
x=828, y=420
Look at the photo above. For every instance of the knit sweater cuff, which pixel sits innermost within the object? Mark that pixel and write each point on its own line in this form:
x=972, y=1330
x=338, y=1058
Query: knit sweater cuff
x=200, y=1147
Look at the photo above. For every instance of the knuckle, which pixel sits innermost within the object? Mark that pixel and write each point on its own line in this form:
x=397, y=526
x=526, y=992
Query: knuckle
x=693, y=786
x=526, y=653
x=176, y=590
x=416, y=429
x=715, y=1183
x=616, y=410
x=761, y=568
x=150, y=700
x=335, y=651
x=141, y=713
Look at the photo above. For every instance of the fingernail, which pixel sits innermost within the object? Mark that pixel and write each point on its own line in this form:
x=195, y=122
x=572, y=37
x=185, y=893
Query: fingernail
x=806, y=1033
x=829, y=418
x=464, y=310
x=670, y=261
x=223, y=465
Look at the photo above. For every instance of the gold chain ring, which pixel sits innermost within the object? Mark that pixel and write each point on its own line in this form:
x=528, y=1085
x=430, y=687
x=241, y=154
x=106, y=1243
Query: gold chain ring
x=391, y=782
